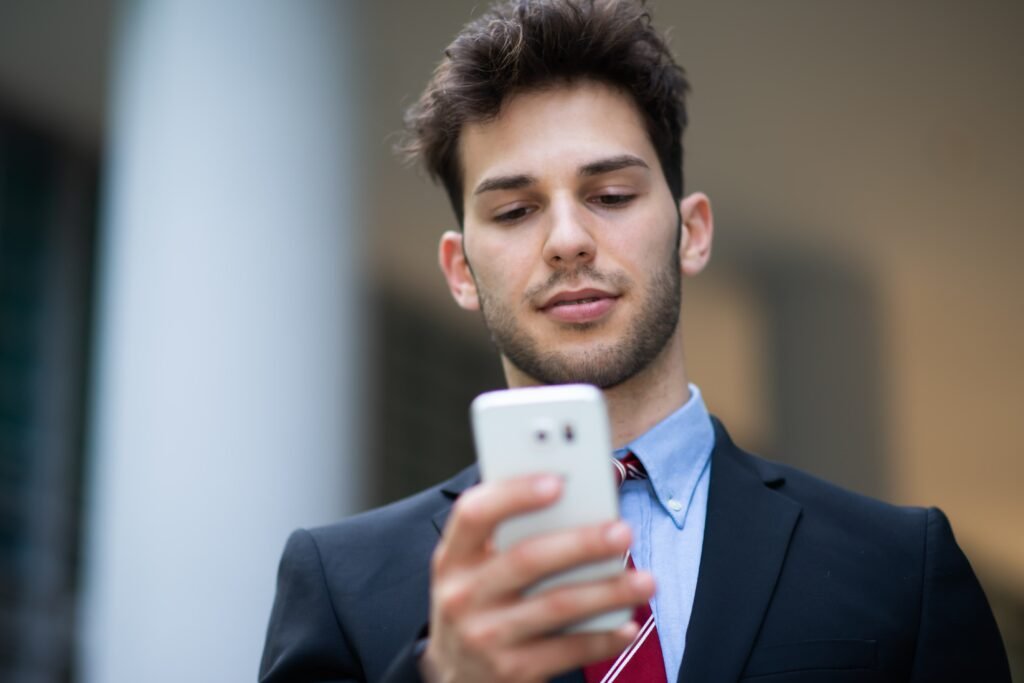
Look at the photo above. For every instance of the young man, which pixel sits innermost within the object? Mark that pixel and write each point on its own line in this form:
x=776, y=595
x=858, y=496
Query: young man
x=556, y=129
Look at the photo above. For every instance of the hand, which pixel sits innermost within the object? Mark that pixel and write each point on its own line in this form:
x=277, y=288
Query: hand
x=482, y=627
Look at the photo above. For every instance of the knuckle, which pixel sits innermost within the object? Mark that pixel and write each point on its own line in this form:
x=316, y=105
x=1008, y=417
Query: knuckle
x=439, y=559
x=506, y=669
x=596, y=646
x=609, y=644
x=479, y=636
x=452, y=598
x=523, y=558
x=592, y=543
x=468, y=508
x=561, y=602
x=625, y=588
x=585, y=544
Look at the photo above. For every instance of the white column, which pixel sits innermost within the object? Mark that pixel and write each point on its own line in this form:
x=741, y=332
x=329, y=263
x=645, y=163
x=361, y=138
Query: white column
x=226, y=393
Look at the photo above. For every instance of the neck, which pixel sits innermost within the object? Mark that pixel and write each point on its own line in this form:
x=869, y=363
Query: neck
x=648, y=397
x=642, y=401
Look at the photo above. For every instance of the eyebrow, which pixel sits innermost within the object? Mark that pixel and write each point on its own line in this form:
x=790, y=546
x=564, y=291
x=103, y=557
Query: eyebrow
x=521, y=180
x=505, y=182
x=612, y=164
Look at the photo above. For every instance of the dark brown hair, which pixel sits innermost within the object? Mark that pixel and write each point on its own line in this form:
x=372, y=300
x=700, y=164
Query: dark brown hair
x=520, y=45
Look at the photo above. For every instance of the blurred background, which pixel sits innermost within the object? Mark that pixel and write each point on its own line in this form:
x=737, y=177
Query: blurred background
x=221, y=318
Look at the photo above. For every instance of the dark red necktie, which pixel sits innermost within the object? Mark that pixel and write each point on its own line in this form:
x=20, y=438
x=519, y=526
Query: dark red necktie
x=642, y=661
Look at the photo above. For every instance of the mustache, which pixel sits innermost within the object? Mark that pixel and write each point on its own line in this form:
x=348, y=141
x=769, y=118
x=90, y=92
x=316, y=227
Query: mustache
x=587, y=272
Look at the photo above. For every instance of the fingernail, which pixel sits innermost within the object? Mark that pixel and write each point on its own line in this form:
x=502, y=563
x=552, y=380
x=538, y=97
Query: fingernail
x=629, y=630
x=547, y=485
x=617, y=533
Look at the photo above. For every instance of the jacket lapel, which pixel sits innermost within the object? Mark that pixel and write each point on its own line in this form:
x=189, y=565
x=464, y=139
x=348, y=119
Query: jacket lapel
x=746, y=535
x=451, y=490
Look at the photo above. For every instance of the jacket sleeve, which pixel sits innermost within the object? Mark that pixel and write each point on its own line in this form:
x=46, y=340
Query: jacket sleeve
x=958, y=639
x=305, y=640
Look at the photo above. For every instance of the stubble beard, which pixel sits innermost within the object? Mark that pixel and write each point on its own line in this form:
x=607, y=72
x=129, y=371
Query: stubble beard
x=606, y=365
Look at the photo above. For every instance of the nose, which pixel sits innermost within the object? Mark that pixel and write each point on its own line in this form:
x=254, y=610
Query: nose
x=569, y=242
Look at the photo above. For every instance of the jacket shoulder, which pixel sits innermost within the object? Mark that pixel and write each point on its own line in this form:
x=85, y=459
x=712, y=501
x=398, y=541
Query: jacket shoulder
x=843, y=506
x=391, y=542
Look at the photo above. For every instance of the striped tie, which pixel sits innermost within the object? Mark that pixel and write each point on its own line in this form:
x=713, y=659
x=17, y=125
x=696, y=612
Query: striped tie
x=642, y=661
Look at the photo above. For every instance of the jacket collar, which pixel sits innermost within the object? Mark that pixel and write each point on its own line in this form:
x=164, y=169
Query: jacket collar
x=451, y=490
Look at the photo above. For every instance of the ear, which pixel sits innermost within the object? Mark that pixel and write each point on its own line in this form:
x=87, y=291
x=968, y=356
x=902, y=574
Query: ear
x=456, y=271
x=698, y=229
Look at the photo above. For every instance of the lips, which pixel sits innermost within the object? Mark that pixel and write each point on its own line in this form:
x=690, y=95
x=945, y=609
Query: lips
x=577, y=302
x=579, y=306
x=576, y=297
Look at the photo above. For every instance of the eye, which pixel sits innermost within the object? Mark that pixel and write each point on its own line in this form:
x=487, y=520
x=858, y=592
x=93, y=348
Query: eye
x=613, y=200
x=513, y=215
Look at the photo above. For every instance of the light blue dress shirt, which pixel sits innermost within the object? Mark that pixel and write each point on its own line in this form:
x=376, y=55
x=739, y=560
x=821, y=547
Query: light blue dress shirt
x=666, y=513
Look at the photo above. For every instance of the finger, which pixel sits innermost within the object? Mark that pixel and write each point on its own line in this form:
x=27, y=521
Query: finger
x=481, y=508
x=528, y=561
x=545, y=613
x=547, y=658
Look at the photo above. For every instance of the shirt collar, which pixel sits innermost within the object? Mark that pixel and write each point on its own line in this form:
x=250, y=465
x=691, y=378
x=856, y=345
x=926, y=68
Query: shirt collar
x=675, y=452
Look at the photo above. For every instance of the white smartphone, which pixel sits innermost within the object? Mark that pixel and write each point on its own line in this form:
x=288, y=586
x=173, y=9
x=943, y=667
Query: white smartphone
x=561, y=430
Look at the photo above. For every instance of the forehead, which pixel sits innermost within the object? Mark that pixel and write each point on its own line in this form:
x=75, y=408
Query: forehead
x=553, y=130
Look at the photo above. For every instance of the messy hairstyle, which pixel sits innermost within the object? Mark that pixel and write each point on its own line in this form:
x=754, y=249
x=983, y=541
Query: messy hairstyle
x=522, y=45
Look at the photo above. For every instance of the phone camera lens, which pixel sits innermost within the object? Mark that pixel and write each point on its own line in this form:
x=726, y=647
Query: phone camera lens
x=569, y=434
x=541, y=435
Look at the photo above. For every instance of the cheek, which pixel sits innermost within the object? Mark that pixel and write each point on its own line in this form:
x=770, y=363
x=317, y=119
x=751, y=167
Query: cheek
x=641, y=251
x=660, y=238
x=500, y=265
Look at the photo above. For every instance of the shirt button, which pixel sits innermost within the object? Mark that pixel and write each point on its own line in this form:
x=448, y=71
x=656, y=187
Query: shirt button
x=675, y=505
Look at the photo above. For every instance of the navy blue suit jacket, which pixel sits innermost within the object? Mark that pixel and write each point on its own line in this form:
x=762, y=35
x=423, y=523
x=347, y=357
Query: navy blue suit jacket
x=799, y=581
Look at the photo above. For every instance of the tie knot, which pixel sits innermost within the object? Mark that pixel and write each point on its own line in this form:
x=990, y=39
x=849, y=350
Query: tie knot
x=628, y=467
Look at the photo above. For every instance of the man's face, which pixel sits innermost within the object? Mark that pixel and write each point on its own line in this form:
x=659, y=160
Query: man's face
x=571, y=236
